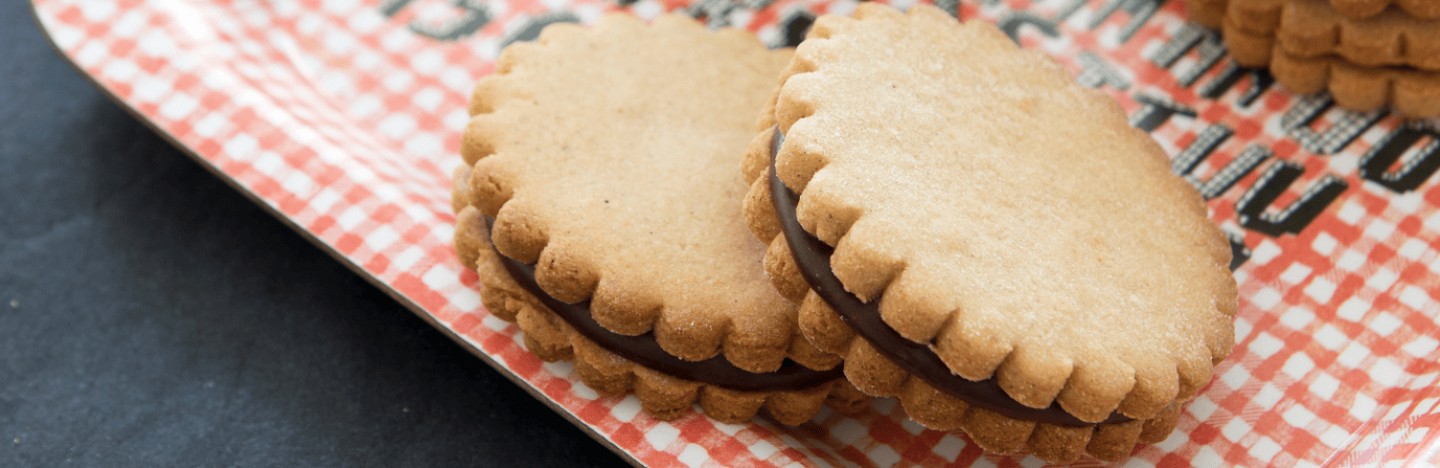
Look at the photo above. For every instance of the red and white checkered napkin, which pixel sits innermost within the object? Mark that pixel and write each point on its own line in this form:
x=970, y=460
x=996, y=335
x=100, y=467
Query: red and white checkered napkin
x=344, y=118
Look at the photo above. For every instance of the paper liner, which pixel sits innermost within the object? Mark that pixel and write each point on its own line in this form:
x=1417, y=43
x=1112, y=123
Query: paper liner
x=343, y=118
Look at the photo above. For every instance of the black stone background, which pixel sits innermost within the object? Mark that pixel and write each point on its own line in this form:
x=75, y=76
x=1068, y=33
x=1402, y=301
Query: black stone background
x=152, y=316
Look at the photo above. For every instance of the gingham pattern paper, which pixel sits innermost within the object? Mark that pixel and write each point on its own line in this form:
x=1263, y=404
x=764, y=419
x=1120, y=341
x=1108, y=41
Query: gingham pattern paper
x=344, y=118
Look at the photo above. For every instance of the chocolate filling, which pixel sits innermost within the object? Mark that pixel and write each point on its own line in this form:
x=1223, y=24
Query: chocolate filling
x=812, y=256
x=644, y=350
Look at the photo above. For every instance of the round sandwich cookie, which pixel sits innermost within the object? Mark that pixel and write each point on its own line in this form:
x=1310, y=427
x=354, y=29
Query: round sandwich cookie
x=1409, y=92
x=1426, y=9
x=984, y=238
x=1392, y=38
x=1315, y=29
x=1387, y=59
x=1261, y=16
x=600, y=206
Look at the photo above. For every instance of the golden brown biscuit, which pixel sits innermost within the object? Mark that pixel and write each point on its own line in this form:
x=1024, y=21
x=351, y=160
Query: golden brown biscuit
x=1207, y=12
x=1247, y=48
x=1412, y=93
x=1386, y=59
x=1314, y=28
x=1426, y=9
x=606, y=160
x=1255, y=16
x=964, y=235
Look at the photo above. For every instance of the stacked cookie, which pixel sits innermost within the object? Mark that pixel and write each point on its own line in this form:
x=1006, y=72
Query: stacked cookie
x=1366, y=53
x=601, y=207
x=984, y=239
x=923, y=211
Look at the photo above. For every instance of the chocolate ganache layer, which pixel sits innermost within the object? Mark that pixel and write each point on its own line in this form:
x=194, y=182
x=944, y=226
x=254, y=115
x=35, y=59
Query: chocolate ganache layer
x=645, y=351
x=812, y=256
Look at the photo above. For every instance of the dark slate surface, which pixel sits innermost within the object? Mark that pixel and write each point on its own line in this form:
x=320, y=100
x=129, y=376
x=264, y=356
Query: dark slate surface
x=150, y=315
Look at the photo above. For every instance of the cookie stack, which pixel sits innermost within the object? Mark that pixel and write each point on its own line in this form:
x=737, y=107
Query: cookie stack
x=923, y=211
x=1366, y=53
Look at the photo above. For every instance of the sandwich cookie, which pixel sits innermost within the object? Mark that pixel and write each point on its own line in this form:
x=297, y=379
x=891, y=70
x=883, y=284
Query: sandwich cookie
x=985, y=239
x=600, y=207
x=1390, y=58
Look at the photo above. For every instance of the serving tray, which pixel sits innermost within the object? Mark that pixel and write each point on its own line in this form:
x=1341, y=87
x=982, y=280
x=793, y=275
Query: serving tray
x=343, y=118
